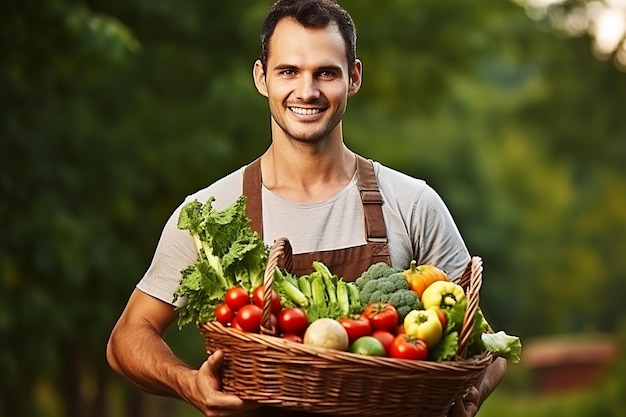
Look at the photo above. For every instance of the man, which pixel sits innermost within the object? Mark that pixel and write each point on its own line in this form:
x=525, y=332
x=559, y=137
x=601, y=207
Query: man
x=333, y=205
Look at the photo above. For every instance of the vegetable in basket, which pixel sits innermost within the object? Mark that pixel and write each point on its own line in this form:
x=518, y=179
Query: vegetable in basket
x=504, y=345
x=326, y=333
x=482, y=339
x=321, y=294
x=382, y=316
x=421, y=276
x=424, y=325
x=368, y=346
x=357, y=326
x=404, y=346
x=382, y=283
x=448, y=345
x=442, y=294
x=230, y=254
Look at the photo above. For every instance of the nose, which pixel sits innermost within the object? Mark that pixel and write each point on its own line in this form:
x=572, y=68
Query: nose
x=307, y=88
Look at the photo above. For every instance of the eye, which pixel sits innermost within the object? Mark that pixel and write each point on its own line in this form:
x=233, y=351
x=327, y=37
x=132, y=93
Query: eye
x=288, y=72
x=329, y=73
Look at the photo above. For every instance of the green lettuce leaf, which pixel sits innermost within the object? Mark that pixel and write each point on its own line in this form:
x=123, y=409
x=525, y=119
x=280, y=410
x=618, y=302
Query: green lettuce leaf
x=504, y=345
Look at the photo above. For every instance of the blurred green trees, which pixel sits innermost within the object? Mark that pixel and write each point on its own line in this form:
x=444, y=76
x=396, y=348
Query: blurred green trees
x=113, y=112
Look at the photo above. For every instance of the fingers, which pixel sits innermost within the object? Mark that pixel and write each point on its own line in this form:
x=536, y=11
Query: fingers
x=211, y=369
x=467, y=406
x=212, y=401
x=472, y=396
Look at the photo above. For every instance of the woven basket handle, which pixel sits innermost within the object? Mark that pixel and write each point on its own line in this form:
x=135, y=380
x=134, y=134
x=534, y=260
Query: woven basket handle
x=280, y=256
x=471, y=281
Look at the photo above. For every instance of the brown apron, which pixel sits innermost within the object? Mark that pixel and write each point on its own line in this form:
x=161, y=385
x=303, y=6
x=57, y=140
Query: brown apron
x=347, y=263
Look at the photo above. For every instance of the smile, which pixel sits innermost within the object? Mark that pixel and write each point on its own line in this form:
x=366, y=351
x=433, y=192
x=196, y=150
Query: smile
x=305, y=112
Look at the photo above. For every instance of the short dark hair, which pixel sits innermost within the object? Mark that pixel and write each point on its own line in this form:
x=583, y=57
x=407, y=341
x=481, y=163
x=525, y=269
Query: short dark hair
x=310, y=13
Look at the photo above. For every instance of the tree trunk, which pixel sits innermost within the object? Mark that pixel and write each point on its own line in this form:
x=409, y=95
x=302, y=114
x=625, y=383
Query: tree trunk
x=99, y=406
x=71, y=381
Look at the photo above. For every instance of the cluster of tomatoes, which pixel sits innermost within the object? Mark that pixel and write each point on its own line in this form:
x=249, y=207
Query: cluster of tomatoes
x=376, y=332
x=242, y=310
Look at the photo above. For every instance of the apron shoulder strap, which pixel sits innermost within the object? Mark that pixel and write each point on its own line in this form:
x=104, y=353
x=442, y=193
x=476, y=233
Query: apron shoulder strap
x=372, y=201
x=252, y=190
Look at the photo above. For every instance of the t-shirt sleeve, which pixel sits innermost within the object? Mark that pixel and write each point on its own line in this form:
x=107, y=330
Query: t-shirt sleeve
x=175, y=251
x=438, y=240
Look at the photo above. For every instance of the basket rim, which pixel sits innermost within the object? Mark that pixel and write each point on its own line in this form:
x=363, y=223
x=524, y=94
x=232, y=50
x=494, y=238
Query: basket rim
x=278, y=343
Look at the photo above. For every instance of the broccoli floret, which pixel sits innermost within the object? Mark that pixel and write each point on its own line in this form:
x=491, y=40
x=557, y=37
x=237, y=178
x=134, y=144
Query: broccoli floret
x=392, y=283
x=375, y=271
x=404, y=301
x=374, y=296
x=367, y=291
x=380, y=289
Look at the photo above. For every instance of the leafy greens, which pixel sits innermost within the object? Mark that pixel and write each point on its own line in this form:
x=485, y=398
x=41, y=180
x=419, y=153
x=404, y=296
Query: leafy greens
x=229, y=254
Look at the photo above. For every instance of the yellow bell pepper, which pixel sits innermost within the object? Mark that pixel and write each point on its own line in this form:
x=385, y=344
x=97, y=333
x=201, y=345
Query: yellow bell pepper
x=442, y=294
x=424, y=325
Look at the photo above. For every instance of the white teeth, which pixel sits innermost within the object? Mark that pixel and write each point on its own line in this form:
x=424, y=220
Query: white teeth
x=305, y=112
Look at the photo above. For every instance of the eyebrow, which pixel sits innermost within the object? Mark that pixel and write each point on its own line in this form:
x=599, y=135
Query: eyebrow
x=332, y=68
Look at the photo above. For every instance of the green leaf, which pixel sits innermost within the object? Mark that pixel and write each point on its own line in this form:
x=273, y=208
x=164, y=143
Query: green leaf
x=504, y=345
x=446, y=348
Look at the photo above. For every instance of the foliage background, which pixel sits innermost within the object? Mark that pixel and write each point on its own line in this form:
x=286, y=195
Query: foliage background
x=112, y=112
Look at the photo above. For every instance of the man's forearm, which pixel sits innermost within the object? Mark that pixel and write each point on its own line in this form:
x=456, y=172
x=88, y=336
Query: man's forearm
x=494, y=374
x=139, y=354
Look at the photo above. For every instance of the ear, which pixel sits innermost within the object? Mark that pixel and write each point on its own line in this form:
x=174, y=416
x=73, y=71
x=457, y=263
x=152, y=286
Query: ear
x=259, y=78
x=356, y=78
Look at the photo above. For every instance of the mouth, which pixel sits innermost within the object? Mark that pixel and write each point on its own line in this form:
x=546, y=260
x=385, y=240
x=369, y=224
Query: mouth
x=304, y=111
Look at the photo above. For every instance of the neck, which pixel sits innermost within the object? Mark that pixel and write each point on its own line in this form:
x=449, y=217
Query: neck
x=307, y=175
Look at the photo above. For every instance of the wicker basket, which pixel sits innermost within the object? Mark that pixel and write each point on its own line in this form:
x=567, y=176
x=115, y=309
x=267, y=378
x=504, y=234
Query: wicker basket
x=278, y=372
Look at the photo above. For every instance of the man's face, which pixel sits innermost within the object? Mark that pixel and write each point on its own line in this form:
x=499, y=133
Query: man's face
x=307, y=81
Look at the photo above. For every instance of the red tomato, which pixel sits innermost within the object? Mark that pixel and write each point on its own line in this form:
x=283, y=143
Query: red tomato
x=385, y=337
x=383, y=316
x=249, y=318
x=224, y=314
x=292, y=320
x=235, y=325
x=292, y=337
x=408, y=347
x=356, y=327
x=236, y=297
x=257, y=299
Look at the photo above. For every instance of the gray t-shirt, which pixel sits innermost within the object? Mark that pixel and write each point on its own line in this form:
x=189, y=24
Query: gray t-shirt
x=419, y=226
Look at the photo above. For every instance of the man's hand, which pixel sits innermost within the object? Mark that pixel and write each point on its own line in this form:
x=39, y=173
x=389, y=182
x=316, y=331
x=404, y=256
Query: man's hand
x=206, y=395
x=469, y=405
